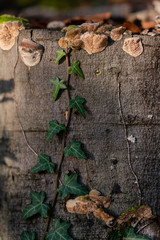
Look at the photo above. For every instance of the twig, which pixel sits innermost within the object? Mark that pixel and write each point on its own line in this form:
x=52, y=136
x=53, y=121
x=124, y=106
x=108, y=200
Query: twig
x=60, y=160
x=126, y=138
x=143, y=227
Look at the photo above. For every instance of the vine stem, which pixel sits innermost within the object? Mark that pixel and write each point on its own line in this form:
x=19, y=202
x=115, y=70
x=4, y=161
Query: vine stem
x=61, y=156
x=126, y=138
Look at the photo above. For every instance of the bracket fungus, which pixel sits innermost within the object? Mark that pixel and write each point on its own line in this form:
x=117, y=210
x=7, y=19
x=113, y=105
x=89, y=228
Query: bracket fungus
x=117, y=33
x=133, y=46
x=143, y=212
x=30, y=52
x=8, y=32
x=157, y=24
x=85, y=36
x=92, y=203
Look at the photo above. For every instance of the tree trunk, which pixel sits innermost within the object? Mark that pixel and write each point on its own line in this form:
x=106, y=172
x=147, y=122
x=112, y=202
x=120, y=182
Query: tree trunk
x=102, y=132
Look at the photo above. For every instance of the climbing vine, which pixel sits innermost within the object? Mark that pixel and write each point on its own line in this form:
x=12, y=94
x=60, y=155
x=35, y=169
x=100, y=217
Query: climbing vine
x=86, y=201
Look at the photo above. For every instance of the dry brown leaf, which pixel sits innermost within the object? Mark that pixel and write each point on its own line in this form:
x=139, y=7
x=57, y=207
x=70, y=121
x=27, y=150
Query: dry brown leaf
x=132, y=27
x=147, y=25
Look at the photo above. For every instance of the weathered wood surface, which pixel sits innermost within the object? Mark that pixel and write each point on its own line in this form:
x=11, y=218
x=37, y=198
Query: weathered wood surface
x=102, y=132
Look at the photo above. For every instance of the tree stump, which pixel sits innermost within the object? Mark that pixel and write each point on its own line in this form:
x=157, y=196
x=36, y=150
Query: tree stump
x=102, y=132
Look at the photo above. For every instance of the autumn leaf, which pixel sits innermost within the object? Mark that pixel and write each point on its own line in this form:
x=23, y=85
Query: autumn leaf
x=60, y=231
x=54, y=128
x=57, y=85
x=71, y=186
x=10, y=18
x=75, y=150
x=129, y=234
x=78, y=104
x=28, y=236
x=74, y=68
x=60, y=54
x=44, y=164
x=37, y=206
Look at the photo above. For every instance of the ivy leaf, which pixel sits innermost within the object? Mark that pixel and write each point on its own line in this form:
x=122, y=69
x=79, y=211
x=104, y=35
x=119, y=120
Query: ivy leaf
x=54, y=128
x=71, y=186
x=61, y=54
x=115, y=235
x=75, y=150
x=10, y=18
x=129, y=234
x=60, y=231
x=78, y=104
x=28, y=236
x=57, y=85
x=74, y=68
x=44, y=164
x=37, y=206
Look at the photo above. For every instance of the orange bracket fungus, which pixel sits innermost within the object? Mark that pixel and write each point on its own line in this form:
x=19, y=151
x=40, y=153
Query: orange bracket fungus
x=30, y=52
x=8, y=32
x=92, y=203
x=133, y=46
x=85, y=36
x=117, y=33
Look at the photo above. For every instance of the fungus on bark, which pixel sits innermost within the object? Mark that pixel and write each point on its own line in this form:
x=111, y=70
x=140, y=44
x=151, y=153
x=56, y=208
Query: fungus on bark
x=143, y=212
x=84, y=36
x=30, y=52
x=133, y=46
x=92, y=203
x=94, y=43
x=8, y=32
x=117, y=33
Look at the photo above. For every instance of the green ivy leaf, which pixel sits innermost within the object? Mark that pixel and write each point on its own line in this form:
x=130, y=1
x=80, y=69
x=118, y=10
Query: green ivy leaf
x=129, y=234
x=44, y=164
x=60, y=231
x=61, y=54
x=28, y=236
x=37, y=206
x=75, y=150
x=115, y=235
x=78, y=104
x=74, y=68
x=10, y=18
x=54, y=128
x=71, y=186
x=57, y=85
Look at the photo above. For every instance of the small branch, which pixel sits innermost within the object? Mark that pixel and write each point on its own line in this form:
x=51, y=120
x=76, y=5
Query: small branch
x=126, y=138
x=61, y=156
x=143, y=227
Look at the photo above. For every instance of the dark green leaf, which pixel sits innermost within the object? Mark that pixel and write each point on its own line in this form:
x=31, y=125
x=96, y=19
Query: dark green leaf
x=129, y=234
x=115, y=235
x=60, y=231
x=74, y=68
x=10, y=18
x=57, y=85
x=54, y=128
x=61, y=54
x=44, y=164
x=28, y=236
x=37, y=206
x=75, y=150
x=71, y=186
x=78, y=104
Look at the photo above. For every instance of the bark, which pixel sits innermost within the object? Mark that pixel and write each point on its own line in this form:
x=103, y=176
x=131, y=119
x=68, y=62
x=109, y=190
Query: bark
x=102, y=132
